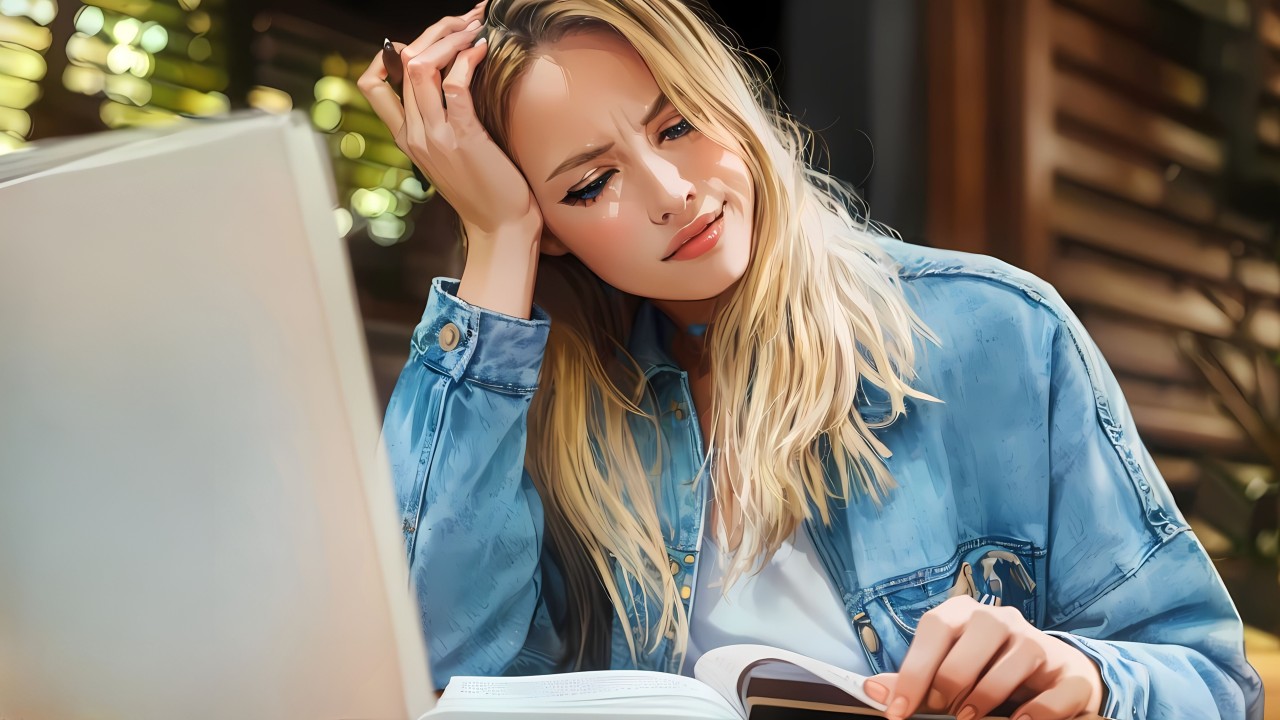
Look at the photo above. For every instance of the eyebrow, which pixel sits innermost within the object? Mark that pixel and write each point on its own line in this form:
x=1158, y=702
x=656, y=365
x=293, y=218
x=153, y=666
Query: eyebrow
x=659, y=104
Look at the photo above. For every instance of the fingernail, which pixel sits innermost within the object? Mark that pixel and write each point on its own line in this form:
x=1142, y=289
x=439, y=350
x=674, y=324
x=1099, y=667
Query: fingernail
x=473, y=25
x=968, y=713
x=897, y=708
x=480, y=41
x=875, y=690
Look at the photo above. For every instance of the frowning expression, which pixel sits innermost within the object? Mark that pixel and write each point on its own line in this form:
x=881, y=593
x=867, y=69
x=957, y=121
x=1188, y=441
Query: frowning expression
x=622, y=179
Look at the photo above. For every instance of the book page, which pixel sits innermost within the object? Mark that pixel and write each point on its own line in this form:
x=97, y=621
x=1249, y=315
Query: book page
x=726, y=670
x=616, y=690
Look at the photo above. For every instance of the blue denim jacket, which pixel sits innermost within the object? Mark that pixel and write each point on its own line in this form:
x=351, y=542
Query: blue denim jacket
x=1028, y=482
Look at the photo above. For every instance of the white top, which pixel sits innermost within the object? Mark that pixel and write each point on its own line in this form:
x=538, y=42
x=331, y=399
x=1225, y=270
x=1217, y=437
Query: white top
x=790, y=605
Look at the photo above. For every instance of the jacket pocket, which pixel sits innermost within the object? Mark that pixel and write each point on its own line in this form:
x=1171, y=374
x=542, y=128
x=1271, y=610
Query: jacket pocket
x=996, y=571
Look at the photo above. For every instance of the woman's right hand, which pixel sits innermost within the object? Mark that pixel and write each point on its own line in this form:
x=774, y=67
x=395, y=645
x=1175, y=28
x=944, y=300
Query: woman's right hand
x=437, y=127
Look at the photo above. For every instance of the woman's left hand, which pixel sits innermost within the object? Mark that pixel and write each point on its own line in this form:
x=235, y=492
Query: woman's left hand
x=967, y=658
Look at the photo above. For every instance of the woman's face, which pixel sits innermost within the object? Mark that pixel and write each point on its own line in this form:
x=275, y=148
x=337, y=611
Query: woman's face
x=620, y=177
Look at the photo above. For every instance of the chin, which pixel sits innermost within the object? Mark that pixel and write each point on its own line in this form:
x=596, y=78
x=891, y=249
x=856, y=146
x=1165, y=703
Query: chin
x=713, y=280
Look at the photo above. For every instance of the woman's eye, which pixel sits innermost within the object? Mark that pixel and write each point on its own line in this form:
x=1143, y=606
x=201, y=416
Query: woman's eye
x=678, y=130
x=588, y=192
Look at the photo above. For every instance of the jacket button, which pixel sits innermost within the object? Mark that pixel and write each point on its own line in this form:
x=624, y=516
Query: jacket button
x=449, y=337
x=675, y=568
x=679, y=413
x=688, y=559
x=685, y=592
x=870, y=640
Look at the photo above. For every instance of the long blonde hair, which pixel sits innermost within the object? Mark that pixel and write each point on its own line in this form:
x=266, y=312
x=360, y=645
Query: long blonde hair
x=819, y=308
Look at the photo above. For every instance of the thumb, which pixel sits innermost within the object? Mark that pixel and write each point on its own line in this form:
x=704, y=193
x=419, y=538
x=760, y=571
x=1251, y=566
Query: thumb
x=878, y=687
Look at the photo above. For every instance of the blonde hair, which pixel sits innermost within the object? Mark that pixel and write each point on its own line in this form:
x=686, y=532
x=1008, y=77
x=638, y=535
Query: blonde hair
x=819, y=308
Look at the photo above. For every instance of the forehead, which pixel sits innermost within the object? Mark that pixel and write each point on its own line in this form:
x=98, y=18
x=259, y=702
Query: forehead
x=577, y=94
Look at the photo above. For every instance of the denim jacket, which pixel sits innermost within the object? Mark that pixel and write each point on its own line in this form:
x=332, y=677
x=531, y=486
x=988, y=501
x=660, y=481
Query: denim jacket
x=1028, y=482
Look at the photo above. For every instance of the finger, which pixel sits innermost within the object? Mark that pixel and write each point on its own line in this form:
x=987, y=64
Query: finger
x=878, y=687
x=936, y=633
x=457, y=86
x=1064, y=701
x=386, y=105
x=1020, y=662
x=980, y=644
x=415, y=125
x=444, y=27
x=423, y=71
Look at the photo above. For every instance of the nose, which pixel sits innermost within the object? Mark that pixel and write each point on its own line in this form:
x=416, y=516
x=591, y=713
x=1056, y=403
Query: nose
x=672, y=191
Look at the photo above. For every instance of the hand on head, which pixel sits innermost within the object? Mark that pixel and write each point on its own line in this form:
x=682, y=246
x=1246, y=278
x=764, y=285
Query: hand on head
x=435, y=124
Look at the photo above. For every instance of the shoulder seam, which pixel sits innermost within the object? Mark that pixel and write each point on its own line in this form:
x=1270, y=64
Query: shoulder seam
x=998, y=278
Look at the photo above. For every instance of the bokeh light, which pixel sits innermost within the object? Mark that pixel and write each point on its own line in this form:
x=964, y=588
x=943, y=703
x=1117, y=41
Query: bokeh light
x=17, y=122
x=199, y=49
x=339, y=90
x=154, y=38
x=345, y=222
x=10, y=143
x=199, y=22
x=327, y=115
x=89, y=20
x=270, y=99
x=387, y=229
x=132, y=51
x=23, y=32
x=372, y=203
x=126, y=87
x=143, y=64
x=18, y=93
x=352, y=145
x=84, y=80
x=120, y=59
x=23, y=43
x=20, y=62
x=14, y=8
x=369, y=169
x=126, y=31
x=42, y=11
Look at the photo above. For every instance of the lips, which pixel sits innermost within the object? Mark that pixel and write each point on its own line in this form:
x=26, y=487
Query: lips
x=692, y=230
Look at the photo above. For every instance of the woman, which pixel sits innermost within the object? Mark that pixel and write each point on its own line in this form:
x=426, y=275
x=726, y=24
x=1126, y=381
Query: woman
x=731, y=389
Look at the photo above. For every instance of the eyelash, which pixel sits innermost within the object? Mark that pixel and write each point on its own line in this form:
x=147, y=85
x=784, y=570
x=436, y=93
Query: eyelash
x=591, y=191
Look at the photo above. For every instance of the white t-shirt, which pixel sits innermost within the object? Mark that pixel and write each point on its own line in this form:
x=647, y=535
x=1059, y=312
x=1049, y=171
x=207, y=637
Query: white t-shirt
x=790, y=605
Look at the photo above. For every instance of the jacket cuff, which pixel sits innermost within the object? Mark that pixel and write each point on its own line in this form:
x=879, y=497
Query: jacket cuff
x=1125, y=696
x=462, y=340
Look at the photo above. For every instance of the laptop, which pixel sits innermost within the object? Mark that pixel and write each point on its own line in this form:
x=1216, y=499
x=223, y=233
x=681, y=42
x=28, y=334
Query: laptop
x=196, y=515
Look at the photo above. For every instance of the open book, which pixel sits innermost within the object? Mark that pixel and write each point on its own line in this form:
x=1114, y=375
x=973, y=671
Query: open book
x=735, y=682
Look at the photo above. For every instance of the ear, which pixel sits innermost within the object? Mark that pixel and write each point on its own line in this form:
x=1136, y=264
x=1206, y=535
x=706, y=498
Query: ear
x=550, y=244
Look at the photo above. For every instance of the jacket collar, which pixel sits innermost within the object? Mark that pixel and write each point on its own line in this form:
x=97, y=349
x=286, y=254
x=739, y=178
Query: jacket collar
x=650, y=342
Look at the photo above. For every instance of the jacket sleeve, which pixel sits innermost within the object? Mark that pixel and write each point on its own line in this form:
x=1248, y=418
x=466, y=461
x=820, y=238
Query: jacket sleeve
x=1129, y=583
x=454, y=433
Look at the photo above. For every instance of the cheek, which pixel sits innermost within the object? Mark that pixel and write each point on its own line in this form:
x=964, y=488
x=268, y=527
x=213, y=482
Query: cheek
x=737, y=177
x=596, y=233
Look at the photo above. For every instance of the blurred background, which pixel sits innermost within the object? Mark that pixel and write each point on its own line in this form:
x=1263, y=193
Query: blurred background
x=1126, y=150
